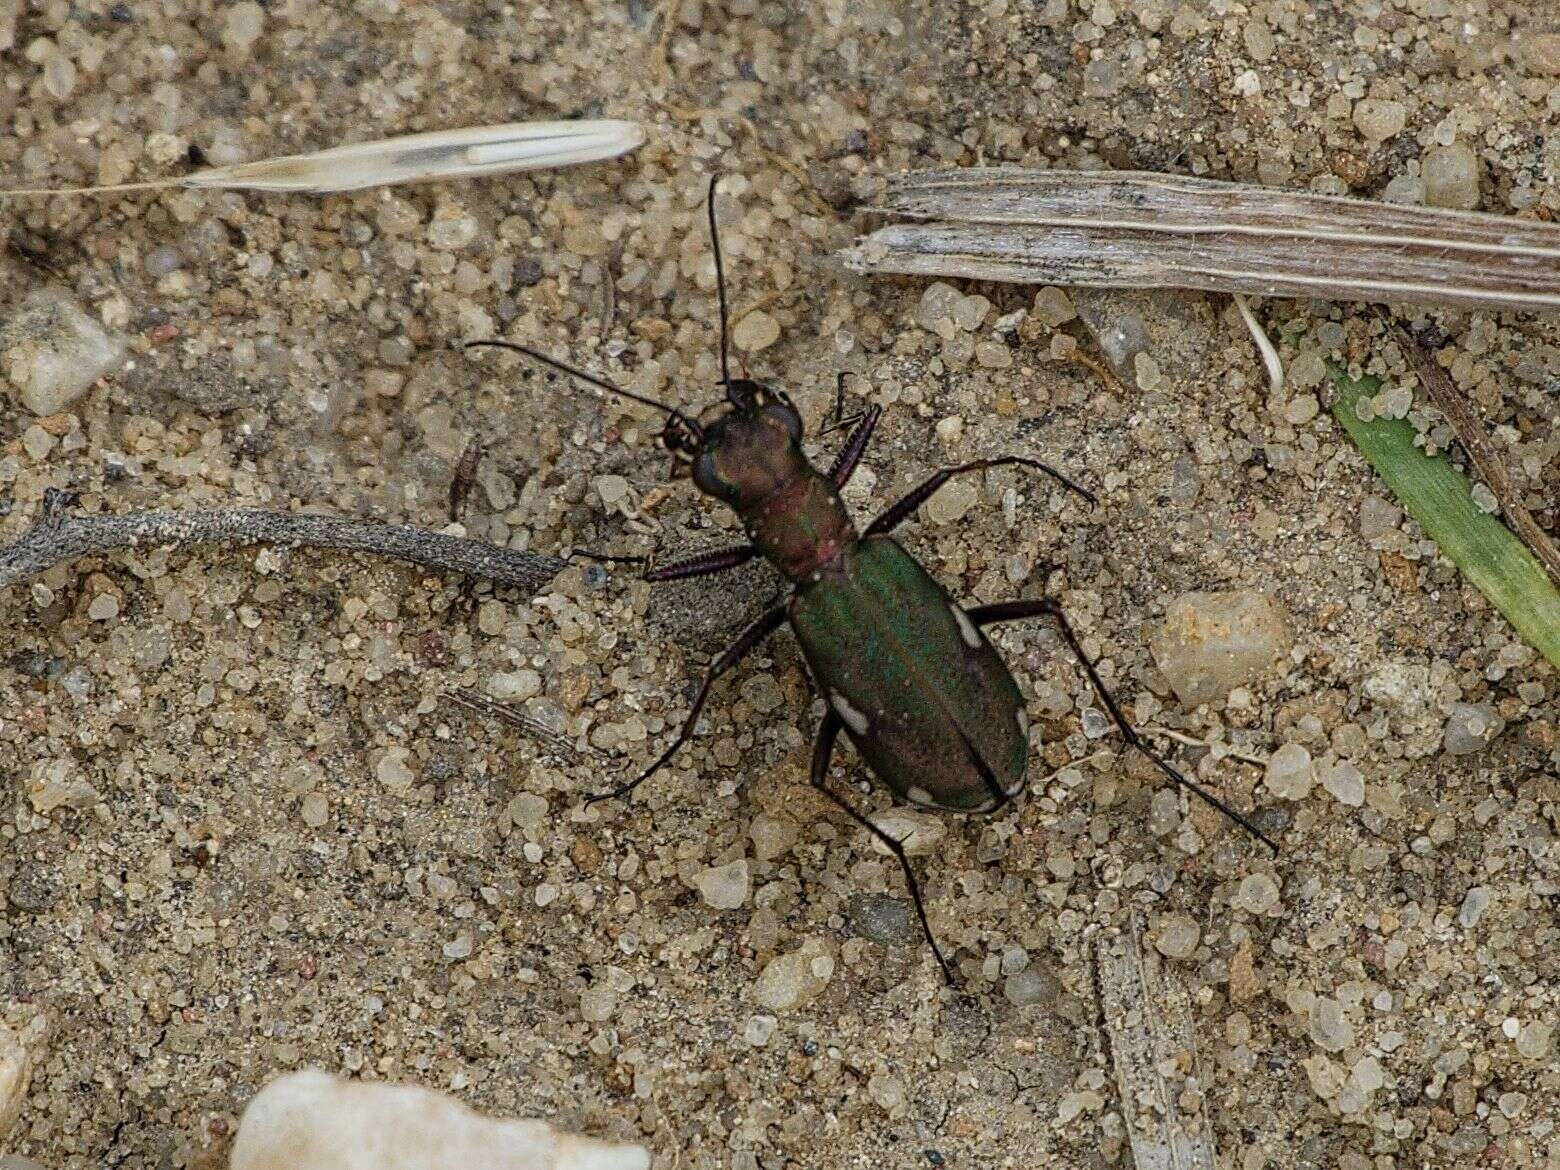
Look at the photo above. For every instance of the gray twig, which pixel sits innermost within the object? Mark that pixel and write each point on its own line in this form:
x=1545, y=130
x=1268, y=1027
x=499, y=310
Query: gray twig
x=58, y=536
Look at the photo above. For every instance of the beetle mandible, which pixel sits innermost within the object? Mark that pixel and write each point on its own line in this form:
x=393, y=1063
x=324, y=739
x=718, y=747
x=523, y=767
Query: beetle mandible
x=906, y=672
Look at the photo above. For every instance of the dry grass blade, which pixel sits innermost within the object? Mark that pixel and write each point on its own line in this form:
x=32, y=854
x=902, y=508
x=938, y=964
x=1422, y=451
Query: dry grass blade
x=1148, y=1018
x=472, y=152
x=1136, y=230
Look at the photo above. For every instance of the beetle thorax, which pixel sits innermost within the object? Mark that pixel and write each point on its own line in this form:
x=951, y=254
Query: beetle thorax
x=752, y=461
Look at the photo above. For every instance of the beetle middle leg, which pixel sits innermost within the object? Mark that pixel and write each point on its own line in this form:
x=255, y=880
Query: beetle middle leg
x=767, y=624
x=1008, y=611
x=823, y=750
x=896, y=513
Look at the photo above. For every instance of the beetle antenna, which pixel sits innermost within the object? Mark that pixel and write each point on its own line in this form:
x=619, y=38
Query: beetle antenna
x=720, y=292
x=594, y=380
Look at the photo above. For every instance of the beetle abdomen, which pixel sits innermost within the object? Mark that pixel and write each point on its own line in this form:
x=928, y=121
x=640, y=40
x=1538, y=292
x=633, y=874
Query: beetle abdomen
x=922, y=694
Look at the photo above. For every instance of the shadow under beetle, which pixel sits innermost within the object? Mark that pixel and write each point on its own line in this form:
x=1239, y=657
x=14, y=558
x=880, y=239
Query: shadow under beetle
x=907, y=673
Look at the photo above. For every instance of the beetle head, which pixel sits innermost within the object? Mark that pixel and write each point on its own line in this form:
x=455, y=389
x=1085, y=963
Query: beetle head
x=750, y=448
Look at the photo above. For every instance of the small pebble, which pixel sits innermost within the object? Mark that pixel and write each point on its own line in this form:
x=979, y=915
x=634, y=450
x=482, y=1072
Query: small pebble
x=950, y=429
x=242, y=26
x=917, y=833
x=1054, y=307
x=1290, y=773
x=1257, y=894
x=772, y=835
x=795, y=979
x=725, y=887
x=883, y=919
x=1031, y=986
x=1330, y=1029
x=1177, y=936
x=756, y=331
x=953, y=502
x=1451, y=176
x=598, y=1003
x=1470, y=728
x=315, y=809
x=1211, y=643
x=1346, y=783
x=1379, y=120
x=514, y=686
x=759, y=1029
x=1475, y=902
x=52, y=350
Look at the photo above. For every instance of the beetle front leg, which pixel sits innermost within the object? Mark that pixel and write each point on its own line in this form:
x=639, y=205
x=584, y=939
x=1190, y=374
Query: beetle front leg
x=704, y=564
x=752, y=636
x=1008, y=611
x=823, y=749
x=894, y=515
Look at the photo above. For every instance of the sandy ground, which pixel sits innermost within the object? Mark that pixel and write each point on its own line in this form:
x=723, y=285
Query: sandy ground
x=294, y=853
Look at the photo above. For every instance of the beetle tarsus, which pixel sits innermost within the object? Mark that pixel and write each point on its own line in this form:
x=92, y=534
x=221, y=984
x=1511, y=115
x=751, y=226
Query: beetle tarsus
x=1007, y=611
x=896, y=513
x=767, y=624
x=823, y=749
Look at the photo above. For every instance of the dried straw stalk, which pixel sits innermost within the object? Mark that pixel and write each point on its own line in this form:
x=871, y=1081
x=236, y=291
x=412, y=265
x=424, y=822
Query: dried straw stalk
x=1123, y=229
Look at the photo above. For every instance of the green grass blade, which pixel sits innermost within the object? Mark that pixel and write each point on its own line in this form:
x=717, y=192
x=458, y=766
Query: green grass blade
x=1438, y=496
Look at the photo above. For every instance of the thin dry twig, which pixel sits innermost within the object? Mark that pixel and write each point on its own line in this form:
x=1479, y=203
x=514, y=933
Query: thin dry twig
x=480, y=704
x=56, y=536
x=1486, y=460
x=1126, y=229
x=1193, y=741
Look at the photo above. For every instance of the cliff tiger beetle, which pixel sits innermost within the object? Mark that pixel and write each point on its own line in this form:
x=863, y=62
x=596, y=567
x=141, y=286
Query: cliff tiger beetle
x=907, y=673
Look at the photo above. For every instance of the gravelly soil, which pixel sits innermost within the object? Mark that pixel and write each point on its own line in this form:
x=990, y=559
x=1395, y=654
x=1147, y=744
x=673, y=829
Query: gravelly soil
x=281, y=847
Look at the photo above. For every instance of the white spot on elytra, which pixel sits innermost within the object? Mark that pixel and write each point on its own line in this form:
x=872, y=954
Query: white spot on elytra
x=966, y=627
x=1023, y=723
x=854, y=719
x=919, y=795
x=1018, y=786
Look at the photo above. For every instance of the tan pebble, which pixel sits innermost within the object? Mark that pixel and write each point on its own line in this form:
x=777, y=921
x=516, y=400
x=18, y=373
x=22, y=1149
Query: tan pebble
x=756, y=331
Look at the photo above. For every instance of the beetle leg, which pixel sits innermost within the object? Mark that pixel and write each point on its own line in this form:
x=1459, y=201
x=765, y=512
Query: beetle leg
x=823, y=749
x=750, y=637
x=704, y=564
x=1007, y=611
x=850, y=455
x=895, y=513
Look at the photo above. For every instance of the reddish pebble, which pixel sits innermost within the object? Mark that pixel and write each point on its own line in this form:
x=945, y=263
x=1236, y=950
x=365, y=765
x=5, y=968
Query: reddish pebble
x=162, y=333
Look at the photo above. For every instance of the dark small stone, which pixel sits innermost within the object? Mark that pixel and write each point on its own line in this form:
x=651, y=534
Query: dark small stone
x=34, y=888
x=882, y=918
x=595, y=577
x=809, y=1047
x=1272, y=819
x=528, y=270
x=121, y=14
x=935, y=1157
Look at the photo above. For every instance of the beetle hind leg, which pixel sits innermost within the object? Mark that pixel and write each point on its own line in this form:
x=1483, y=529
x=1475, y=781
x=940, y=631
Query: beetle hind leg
x=1007, y=611
x=823, y=751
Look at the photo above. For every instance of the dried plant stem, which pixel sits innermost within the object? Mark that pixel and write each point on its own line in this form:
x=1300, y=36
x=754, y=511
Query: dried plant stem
x=1108, y=229
x=56, y=536
x=1148, y=1017
x=1486, y=460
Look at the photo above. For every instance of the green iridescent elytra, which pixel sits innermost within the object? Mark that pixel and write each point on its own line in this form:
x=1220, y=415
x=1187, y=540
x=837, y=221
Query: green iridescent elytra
x=922, y=694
